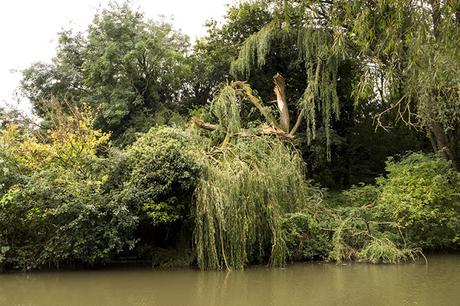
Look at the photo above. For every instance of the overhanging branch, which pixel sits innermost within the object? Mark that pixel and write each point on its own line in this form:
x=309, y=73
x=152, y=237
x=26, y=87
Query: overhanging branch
x=246, y=91
x=263, y=130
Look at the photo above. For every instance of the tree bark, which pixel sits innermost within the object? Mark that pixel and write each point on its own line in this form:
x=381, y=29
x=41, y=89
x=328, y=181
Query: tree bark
x=273, y=127
x=264, y=130
x=300, y=117
x=445, y=143
x=256, y=102
x=204, y=125
x=282, y=102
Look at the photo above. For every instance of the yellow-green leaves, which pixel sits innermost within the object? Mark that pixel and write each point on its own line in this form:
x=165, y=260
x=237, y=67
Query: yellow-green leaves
x=241, y=200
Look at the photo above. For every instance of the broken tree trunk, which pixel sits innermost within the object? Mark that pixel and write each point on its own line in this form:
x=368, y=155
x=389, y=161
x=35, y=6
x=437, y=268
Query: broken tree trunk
x=281, y=101
x=273, y=126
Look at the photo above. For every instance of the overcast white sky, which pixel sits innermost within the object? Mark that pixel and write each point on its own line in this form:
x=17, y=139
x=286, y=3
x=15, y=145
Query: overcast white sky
x=28, y=28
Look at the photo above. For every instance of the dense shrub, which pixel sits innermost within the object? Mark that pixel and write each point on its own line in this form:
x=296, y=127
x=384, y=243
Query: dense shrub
x=416, y=206
x=307, y=237
x=56, y=218
x=68, y=197
x=163, y=175
x=422, y=194
x=53, y=206
x=155, y=179
x=360, y=233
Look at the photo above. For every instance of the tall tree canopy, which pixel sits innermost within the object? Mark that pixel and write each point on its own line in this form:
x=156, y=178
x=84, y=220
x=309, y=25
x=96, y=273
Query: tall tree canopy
x=408, y=53
x=213, y=54
x=124, y=66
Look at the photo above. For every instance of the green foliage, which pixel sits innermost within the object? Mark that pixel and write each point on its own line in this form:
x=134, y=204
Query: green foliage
x=362, y=234
x=407, y=53
x=67, y=196
x=421, y=193
x=156, y=177
x=125, y=66
x=306, y=237
x=410, y=54
x=246, y=190
x=131, y=63
x=3, y=251
x=226, y=109
x=321, y=57
x=213, y=54
x=413, y=47
x=348, y=226
x=255, y=49
x=361, y=231
x=55, y=209
x=361, y=196
x=385, y=251
x=415, y=207
x=162, y=176
x=61, y=219
x=73, y=199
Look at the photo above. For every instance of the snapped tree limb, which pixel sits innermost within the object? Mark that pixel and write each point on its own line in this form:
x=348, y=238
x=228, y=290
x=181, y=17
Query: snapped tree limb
x=280, y=128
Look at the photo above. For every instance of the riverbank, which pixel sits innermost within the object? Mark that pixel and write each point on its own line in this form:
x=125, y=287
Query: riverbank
x=127, y=263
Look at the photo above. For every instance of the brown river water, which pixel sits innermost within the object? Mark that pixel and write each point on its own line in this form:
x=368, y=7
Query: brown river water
x=437, y=283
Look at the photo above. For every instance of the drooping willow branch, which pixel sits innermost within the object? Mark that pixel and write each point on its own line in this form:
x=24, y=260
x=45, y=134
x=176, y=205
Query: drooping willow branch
x=320, y=48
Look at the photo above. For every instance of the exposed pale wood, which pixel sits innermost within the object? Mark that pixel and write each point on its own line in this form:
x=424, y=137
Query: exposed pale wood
x=273, y=127
x=280, y=93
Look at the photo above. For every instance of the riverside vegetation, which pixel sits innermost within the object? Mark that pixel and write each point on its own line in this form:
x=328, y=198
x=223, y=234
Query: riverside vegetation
x=341, y=142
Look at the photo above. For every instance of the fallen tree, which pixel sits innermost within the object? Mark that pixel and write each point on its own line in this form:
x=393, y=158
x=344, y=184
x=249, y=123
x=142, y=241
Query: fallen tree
x=226, y=107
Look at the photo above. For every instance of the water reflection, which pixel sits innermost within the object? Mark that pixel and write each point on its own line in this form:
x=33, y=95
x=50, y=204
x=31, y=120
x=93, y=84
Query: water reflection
x=300, y=284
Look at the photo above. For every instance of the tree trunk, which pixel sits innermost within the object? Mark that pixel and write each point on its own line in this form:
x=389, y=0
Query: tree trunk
x=282, y=102
x=445, y=143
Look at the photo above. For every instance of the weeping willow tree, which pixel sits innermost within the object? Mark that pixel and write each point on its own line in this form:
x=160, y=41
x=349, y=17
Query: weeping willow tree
x=411, y=56
x=409, y=51
x=251, y=182
x=247, y=189
x=319, y=48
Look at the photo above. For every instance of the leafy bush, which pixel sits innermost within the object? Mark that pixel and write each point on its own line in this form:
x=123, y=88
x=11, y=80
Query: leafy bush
x=364, y=196
x=306, y=238
x=55, y=209
x=422, y=194
x=385, y=250
x=360, y=233
x=56, y=218
x=163, y=175
x=417, y=206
